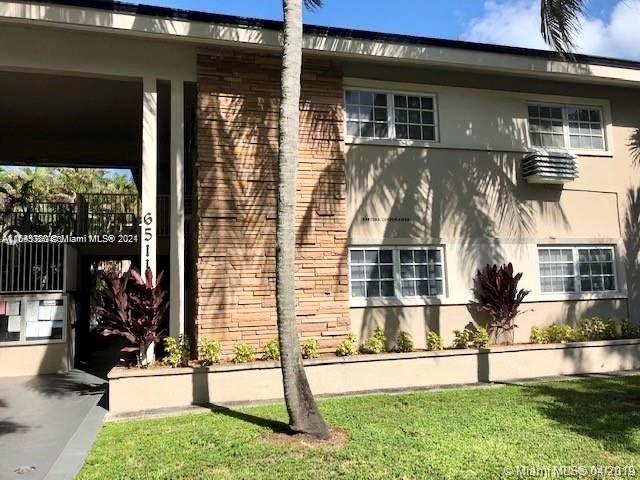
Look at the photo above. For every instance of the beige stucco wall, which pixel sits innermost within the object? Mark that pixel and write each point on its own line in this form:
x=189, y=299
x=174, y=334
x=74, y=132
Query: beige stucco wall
x=417, y=320
x=134, y=391
x=466, y=194
x=131, y=391
x=556, y=360
x=25, y=360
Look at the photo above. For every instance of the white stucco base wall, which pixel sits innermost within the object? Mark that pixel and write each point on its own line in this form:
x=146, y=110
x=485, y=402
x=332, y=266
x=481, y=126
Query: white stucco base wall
x=132, y=390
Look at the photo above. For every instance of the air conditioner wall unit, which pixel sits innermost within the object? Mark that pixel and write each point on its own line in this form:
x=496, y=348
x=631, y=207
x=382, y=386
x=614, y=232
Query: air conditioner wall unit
x=551, y=167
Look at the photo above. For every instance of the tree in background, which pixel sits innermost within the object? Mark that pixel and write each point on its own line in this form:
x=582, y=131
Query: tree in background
x=560, y=23
x=42, y=184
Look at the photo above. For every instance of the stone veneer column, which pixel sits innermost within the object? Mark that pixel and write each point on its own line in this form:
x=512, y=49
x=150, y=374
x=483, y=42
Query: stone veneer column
x=238, y=97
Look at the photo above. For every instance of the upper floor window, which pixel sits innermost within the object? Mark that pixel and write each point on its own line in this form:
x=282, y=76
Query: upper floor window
x=576, y=269
x=565, y=126
x=396, y=272
x=372, y=114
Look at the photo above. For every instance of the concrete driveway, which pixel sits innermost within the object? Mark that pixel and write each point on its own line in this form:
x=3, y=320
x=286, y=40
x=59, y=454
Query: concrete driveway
x=48, y=424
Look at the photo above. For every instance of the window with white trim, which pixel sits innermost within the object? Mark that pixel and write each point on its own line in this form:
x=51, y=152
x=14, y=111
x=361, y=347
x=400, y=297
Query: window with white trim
x=421, y=273
x=577, y=269
x=396, y=272
x=367, y=114
x=375, y=114
x=566, y=126
x=372, y=273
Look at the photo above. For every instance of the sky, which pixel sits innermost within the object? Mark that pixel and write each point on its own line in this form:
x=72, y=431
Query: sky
x=610, y=27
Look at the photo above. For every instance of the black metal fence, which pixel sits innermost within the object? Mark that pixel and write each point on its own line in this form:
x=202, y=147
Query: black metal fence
x=32, y=267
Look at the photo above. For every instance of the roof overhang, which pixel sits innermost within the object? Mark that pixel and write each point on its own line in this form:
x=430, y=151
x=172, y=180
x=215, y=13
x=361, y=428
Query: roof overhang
x=209, y=29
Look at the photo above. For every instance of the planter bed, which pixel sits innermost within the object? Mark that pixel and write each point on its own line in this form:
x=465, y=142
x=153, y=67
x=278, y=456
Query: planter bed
x=137, y=390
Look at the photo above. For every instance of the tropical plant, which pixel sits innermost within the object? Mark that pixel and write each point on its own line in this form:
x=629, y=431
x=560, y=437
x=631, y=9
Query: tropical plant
x=481, y=337
x=538, y=335
x=404, y=343
x=243, y=353
x=596, y=328
x=462, y=338
x=178, y=351
x=497, y=293
x=348, y=346
x=375, y=343
x=209, y=352
x=271, y=350
x=304, y=415
x=560, y=333
x=628, y=330
x=434, y=342
x=310, y=348
x=133, y=308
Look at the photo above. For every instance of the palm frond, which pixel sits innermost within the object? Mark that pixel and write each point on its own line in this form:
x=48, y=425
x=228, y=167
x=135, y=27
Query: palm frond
x=560, y=23
x=313, y=4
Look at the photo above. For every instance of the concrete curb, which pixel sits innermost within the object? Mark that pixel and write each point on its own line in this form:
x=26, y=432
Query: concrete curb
x=72, y=458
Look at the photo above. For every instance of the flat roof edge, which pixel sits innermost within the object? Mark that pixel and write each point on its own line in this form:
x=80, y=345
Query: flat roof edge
x=198, y=16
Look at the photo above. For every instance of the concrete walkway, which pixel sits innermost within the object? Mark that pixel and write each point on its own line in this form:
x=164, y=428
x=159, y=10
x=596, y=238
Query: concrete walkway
x=48, y=424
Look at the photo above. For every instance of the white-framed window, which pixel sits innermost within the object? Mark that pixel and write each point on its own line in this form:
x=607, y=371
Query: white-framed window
x=392, y=115
x=396, y=272
x=570, y=269
x=566, y=126
x=372, y=273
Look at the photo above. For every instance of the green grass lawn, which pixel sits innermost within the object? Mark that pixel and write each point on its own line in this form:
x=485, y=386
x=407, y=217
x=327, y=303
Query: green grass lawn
x=467, y=433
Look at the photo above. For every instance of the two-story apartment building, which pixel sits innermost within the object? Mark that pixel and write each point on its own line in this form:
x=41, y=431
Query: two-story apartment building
x=421, y=160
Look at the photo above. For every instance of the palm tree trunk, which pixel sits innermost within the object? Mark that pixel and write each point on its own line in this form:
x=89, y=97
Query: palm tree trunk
x=304, y=416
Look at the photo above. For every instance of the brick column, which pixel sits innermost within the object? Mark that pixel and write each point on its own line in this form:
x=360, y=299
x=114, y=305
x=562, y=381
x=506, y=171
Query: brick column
x=238, y=101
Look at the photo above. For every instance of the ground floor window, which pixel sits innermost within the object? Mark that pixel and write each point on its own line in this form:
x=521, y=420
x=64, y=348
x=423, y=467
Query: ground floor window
x=577, y=269
x=396, y=272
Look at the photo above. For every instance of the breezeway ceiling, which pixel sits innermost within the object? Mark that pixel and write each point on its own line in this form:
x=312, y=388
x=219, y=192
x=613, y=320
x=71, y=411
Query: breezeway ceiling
x=53, y=118
x=61, y=104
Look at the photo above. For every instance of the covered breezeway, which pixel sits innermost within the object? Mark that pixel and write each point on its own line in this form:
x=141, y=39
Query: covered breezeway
x=68, y=101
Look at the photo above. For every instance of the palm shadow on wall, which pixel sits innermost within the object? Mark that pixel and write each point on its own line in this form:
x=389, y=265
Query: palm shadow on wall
x=237, y=191
x=632, y=227
x=611, y=409
x=475, y=198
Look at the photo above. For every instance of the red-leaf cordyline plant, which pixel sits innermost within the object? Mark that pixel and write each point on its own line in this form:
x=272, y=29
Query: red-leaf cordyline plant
x=497, y=293
x=132, y=308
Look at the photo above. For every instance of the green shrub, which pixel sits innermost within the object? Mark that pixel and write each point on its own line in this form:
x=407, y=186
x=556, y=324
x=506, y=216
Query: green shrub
x=348, y=347
x=539, y=335
x=271, y=350
x=627, y=330
x=610, y=330
x=243, y=353
x=560, y=333
x=595, y=328
x=209, y=352
x=310, y=348
x=404, y=343
x=462, y=338
x=434, y=342
x=376, y=343
x=178, y=351
x=481, y=337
